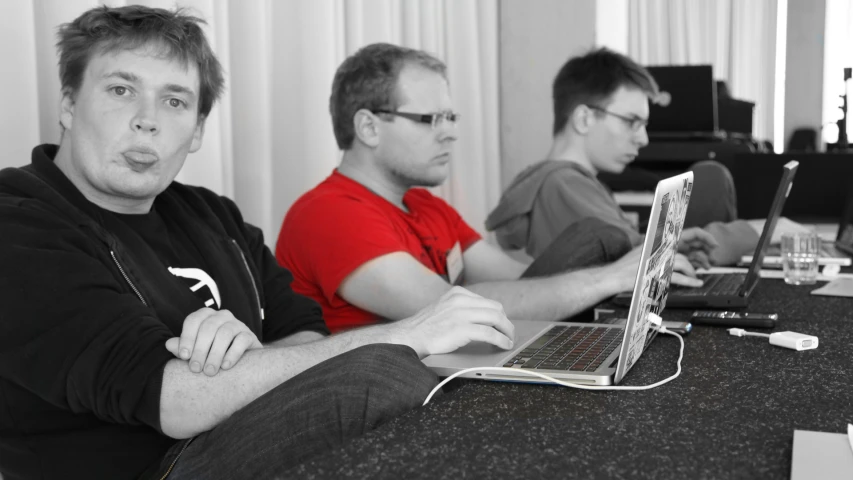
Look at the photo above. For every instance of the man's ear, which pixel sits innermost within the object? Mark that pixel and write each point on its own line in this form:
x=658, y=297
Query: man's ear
x=66, y=109
x=366, y=126
x=198, y=134
x=581, y=119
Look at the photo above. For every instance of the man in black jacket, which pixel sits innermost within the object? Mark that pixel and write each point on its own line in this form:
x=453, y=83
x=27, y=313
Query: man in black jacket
x=144, y=326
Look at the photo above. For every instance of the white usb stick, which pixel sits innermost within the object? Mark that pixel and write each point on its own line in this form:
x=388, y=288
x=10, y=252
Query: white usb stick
x=792, y=340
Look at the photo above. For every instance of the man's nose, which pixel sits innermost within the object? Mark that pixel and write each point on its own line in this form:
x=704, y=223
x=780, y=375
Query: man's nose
x=448, y=131
x=642, y=137
x=145, y=120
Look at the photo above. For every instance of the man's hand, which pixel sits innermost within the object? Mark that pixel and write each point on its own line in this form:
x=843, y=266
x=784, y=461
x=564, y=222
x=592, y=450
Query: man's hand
x=683, y=273
x=697, y=244
x=456, y=319
x=212, y=339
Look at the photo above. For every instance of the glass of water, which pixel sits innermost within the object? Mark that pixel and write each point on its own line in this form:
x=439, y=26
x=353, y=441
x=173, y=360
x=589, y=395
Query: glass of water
x=799, y=257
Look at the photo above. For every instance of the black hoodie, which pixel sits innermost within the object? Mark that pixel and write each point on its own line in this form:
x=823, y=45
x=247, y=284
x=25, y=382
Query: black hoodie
x=84, y=318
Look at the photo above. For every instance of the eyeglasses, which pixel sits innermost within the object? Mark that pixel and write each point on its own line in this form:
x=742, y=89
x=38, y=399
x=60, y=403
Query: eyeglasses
x=634, y=123
x=432, y=119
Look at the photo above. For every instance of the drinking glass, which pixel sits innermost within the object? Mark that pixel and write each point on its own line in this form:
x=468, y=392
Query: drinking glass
x=799, y=257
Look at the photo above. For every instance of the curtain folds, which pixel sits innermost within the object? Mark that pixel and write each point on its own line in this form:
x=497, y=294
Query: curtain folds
x=737, y=37
x=270, y=138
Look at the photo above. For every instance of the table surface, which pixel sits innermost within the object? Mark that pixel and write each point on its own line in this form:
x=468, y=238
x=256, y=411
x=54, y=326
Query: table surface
x=731, y=414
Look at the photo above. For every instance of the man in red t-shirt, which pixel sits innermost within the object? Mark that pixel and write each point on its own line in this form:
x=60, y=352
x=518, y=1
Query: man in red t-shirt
x=367, y=244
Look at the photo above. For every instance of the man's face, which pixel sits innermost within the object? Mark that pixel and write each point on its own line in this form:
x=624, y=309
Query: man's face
x=413, y=153
x=611, y=142
x=130, y=128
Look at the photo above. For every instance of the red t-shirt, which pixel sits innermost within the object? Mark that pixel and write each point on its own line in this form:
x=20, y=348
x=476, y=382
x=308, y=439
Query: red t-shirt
x=340, y=225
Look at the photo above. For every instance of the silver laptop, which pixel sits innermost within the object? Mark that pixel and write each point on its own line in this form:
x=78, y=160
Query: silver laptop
x=589, y=353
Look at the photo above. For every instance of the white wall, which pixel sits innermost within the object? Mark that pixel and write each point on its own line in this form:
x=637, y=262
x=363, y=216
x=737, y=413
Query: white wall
x=536, y=38
x=804, y=72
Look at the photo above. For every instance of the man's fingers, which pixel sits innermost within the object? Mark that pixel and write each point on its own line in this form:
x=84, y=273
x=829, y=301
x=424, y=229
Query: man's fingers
x=699, y=259
x=172, y=345
x=481, y=333
x=698, y=238
x=204, y=340
x=685, y=281
x=242, y=342
x=499, y=323
x=221, y=343
x=190, y=330
x=683, y=266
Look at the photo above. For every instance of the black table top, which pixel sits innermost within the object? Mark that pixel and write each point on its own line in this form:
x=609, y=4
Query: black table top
x=731, y=414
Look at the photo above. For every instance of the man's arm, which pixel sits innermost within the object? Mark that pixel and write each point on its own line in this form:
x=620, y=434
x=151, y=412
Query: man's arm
x=486, y=263
x=192, y=403
x=297, y=338
x=396, y=285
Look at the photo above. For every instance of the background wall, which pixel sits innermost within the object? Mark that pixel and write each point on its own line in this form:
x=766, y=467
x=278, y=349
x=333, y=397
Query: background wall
x=536, y=38
x=804, y=60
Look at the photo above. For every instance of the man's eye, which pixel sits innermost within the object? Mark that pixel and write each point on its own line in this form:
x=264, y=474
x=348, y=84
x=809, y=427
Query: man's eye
x=120, y=91
x=174, y=102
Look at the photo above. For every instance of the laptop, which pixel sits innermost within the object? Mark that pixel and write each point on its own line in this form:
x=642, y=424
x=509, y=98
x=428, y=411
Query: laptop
x=734, y=289
x=590, y=353
x=838, y=252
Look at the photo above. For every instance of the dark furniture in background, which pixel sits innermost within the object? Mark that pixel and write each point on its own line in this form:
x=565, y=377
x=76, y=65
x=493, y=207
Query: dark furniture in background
x=803, y=140
x=661, y=159
x=701, y=121
x=690, y=106
x=819, y=192
x=731, y=414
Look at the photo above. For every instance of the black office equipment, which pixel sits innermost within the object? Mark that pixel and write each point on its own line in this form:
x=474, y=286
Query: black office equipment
x=692, y=109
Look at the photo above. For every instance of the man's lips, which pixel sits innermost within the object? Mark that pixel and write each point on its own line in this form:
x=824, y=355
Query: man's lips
x=141, y=156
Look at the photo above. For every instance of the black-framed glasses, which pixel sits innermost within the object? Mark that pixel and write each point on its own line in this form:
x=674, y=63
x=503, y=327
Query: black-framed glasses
x=431, y=119
x=635, y=123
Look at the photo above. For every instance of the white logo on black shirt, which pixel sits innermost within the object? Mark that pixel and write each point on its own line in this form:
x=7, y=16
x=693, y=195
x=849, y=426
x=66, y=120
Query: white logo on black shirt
x=204, y=280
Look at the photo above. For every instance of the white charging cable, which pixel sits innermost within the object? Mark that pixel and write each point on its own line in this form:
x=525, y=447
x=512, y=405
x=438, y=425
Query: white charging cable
x=656, y=325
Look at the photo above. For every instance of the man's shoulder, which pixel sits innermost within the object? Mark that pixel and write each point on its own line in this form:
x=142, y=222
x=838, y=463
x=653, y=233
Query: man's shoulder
x=569, y=175
x=335, y=197
x=425, y=198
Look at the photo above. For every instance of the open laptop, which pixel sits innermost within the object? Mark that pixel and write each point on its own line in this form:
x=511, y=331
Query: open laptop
x=838, y=252
x=589, y=353
x=734, y=289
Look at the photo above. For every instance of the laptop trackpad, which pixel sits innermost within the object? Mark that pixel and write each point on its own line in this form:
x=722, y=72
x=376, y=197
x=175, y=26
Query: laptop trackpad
x=481, y=354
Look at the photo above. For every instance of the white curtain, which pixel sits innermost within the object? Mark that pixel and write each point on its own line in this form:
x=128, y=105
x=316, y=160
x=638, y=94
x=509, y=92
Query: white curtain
x=737, y=37
x=270, y=138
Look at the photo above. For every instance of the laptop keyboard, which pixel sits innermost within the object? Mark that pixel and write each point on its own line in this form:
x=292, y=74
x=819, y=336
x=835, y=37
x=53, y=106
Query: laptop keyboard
x=717, y=284
x=569, y=348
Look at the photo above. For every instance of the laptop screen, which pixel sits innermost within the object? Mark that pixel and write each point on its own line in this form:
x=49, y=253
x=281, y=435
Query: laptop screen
x=844, y=240
x=655, y=270
x=782, y=192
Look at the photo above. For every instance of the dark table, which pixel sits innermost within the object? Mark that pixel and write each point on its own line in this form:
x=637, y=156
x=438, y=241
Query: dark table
x=731, y=414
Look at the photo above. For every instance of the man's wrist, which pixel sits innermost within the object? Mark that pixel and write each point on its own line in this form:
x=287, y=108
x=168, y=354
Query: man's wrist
x=400, y=333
